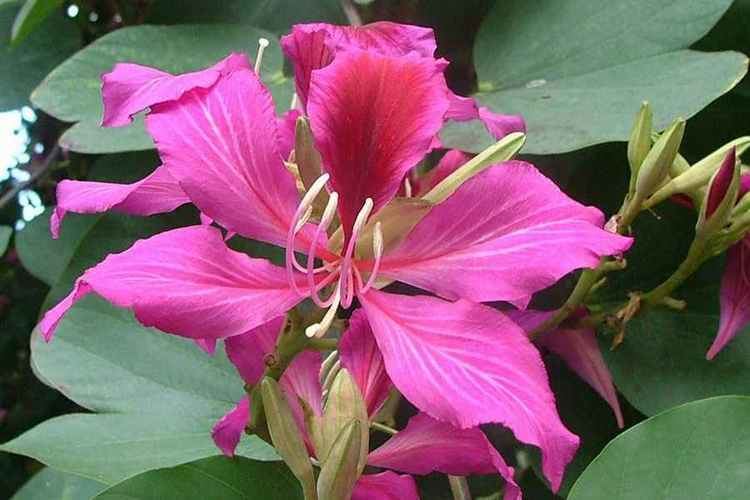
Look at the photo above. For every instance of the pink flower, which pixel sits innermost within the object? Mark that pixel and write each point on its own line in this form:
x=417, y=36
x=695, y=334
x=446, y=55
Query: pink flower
x=501, y=236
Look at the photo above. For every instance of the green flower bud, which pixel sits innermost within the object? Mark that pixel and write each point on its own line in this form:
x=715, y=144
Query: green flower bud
x=640, y=140
x=655, y=167
x=340, y=472
x=721, y=196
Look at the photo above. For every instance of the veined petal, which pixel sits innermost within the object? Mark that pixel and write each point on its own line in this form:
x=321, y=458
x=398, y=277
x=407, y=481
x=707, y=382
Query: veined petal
x=230, y=428
x=221, y=144
x=468, y=364
x=248, y=351
x=498, y=125
x=313, y=46
x=130, y=88
x=385, y=486
x=286, y=125
x=188, y=283
x=491, y=239
x=734, y=296
x=361, y=356
x=373, y=118
x=446, y=166
x=427, y=445
x=157, y=193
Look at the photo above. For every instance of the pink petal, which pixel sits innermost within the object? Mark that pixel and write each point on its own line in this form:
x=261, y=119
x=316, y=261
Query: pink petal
x=301, y=382
x=498, y=125
x=427, y=445
x=468, y=364
x=446, y=166
x=385, y=486
x=157, y=193
x=230, y=428
x=221, y=144
x=361, y=357
x=287, y=125
x=248, y=351
x=373, y=118
x=720, y=183
x=188, y=283
x=491, y=239
x=130, y=88
x=207, y=345
x=734, y=296
x=313, y=46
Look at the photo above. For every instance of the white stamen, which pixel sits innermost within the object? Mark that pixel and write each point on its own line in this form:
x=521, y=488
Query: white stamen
x=262, y=44
x=330, y=210
x=295, y=101
x=361, y=219
x=303, y=220
x=313, y=192
x=377, y=240
x=320, y=329
x=407, y=187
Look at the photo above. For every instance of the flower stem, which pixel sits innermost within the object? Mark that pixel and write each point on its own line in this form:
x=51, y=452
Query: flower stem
x=459, y=488
x=323, y=344
x=695, y=257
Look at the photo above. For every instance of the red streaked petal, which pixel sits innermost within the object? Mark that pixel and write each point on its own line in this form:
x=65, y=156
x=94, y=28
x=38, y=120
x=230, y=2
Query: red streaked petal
x=157, y=193
x=721, y=182
x=360, y=355
x=230, y=428
x=186, y=282
x=385, y=486
x=734, y=296
x=491, y=239
x=498, y=125
x=221, y=144
x=373, y=118
x=130, y=88
x=468, y=364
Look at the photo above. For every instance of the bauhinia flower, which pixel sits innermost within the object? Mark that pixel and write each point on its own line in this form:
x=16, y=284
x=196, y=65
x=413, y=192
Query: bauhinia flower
x=375, y=105
x=424, y=446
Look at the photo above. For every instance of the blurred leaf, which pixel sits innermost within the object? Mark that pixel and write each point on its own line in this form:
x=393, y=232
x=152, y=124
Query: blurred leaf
x=217, y=477
x=31, y=16
x=274, y=15
x=110, y=448
x=5, y=233
x=23, y=65
x=72, y=92
x=579, y=70
x=698, y=450
x=51, y=484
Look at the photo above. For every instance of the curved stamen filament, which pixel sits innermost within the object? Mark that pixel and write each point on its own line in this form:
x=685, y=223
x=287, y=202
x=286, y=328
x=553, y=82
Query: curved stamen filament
x=295, y=227
x=320, y=329
x=325, y=221
x=377, y=250
x=407, y=187
x=262, y=44
x=347, y=283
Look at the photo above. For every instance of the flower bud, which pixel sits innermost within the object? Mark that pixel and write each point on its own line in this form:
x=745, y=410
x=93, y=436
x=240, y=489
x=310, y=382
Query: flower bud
x=639, y=143
x=721, y=196
x=340, y=472
x=655, y=167
x=286, y=436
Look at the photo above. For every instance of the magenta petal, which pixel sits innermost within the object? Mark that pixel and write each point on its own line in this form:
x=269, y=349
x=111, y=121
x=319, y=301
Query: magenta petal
x=361, y=357
x=721, y=182
x=373, y=118
x=427, y=445
x=498, y=125
x=301, y=381
x=248, y=351
x=385, y=486
x=229, y=429
x=287, y=125
x=188, y=283
x=468, y=364
x=491, y=239
x=221, y=144
x=157, y=193
x=734, y=296
x=207, y=345
x=130, y=88
x=308, y=46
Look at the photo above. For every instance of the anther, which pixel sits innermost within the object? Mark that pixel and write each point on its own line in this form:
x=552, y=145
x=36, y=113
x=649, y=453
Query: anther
x=407, y=187
x=377, y=250
x=262, y=44
x=320, y=329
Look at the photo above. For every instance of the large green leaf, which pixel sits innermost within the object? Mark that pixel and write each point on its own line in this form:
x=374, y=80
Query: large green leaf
x=31, y=16
x=217, y=477
x=36, y=55
x=51, y=484
x=698, y=450
x=578, y=70
x=72, y=91
x=5, y=233
x=273, y=15
x=110, y=448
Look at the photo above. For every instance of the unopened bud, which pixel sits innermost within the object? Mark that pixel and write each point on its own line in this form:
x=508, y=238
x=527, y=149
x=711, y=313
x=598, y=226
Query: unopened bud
x=306, y=156
x=655, y=167
x=721, y=196
x=639, y=143
x=286, y=436
x=340, y=471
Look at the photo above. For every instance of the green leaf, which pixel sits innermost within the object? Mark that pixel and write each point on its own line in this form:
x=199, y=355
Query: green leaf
x=274, y=15
x=698, y=450
x=110, y=448
x=51, y=484
x=31, y=15
x=72, y=92
x=218, y=477
x=5, y=233
x=578, y=72
x=36, y=55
